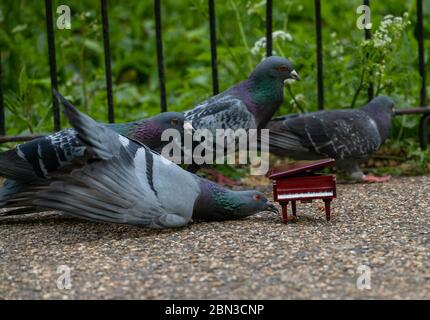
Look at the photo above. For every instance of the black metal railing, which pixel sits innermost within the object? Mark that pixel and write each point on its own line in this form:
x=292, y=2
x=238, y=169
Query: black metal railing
x=320, y=72
x=108, y=68
x=425, y=119
x=368, y=36
x=2, y=120
x=52, y=63
x=214, y=57
x=269, y=27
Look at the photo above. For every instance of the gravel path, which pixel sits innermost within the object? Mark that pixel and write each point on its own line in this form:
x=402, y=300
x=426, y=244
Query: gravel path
x=382, y=226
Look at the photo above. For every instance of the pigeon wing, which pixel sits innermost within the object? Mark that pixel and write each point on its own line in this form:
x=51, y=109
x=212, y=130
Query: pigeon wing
x=338, y=134
x=280, y=140
x=107, y=191
x=221, y=112
x=110, y=190
x=103, y=143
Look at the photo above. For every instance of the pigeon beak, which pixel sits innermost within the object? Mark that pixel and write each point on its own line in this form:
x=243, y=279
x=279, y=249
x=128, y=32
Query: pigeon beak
x=294, y=75
x=269, y=206
x=189, y=127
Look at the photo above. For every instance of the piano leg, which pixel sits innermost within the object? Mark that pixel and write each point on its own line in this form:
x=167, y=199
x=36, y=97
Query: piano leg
x=284, y=212
x=293, y=207
x=327, y=203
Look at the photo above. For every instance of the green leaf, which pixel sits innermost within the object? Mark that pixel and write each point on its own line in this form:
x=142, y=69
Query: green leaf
x=23, y=81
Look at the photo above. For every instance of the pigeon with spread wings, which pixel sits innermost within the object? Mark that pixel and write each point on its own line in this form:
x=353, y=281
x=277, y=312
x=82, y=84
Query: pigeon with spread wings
x=132, y=184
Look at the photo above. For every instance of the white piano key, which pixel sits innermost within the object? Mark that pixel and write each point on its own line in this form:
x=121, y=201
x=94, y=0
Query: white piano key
x=304, y=195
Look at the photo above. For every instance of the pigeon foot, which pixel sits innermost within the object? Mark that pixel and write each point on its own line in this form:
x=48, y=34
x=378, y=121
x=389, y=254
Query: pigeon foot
x=374, y=179
x=220, y=179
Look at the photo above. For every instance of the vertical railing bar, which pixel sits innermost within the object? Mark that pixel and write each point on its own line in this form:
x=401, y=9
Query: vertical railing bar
x=368, y=36
x=52, y=63
x=160, y=58
x=108, y=66
x=423, y=133
x=269, y=27
x=214, y=57
x=421, y=57
x=320, y=71
x=425, y=119
x=2, y=122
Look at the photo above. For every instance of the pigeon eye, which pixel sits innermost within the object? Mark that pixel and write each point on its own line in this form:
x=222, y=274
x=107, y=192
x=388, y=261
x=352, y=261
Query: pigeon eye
x=256, y=197
x=174, y=122
x=283, y=68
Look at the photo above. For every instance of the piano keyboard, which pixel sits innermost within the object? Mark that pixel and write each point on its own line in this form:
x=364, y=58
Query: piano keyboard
x=305, y=195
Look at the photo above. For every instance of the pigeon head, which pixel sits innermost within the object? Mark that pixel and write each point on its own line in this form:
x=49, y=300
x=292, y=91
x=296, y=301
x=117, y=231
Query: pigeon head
x=276, y=68
x=149, y=131
x=249, y=202
x=265, y=87
x=381, y=103
x=381, y=109
x=218, y=203
x=170, y=120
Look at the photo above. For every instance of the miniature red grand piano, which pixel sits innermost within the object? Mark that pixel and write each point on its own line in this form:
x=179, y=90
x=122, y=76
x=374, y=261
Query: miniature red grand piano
x=300, y=182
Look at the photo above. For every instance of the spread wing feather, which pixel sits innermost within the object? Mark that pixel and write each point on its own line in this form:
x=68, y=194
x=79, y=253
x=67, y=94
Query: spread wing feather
x=102, y=141
x=107, y=191
x=110, y=189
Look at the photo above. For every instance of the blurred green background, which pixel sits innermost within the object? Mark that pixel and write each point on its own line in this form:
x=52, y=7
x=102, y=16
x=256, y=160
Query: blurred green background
x=240, y=26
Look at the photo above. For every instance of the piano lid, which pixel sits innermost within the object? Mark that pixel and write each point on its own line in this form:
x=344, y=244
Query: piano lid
x=301, y=167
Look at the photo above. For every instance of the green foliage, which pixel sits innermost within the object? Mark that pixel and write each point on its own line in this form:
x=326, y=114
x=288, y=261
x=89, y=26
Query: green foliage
x=350, y=63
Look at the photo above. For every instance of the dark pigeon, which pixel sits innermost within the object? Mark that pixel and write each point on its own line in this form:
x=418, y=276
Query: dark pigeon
x=133, y=185
x=349, y=135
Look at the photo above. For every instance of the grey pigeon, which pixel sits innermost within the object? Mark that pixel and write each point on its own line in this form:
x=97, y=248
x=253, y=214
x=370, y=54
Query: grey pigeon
x=32, y=162
x=133, y=185
x=348, y=135
x=247, y=105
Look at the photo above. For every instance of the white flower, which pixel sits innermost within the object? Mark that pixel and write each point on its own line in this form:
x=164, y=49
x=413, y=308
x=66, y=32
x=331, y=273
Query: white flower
x=379, y=43
x=389, y=16
x=386, y=23
x=260, y=44
x=282, y=35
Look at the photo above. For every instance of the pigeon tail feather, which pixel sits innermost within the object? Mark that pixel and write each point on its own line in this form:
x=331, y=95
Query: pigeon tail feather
x=21, y=211
x=12, y=166
x=101, y=141
x=10, y=188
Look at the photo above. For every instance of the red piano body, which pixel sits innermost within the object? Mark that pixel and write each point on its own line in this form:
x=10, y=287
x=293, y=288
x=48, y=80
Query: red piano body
x=300, y=182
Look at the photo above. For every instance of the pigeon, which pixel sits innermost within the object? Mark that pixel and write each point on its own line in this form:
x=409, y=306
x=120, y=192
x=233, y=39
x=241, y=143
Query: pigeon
x=247, y=105
x=131, y=184
x=36, y=160
x=348, y=135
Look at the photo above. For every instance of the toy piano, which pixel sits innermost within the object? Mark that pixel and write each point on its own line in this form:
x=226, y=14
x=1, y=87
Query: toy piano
x=300, y=182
